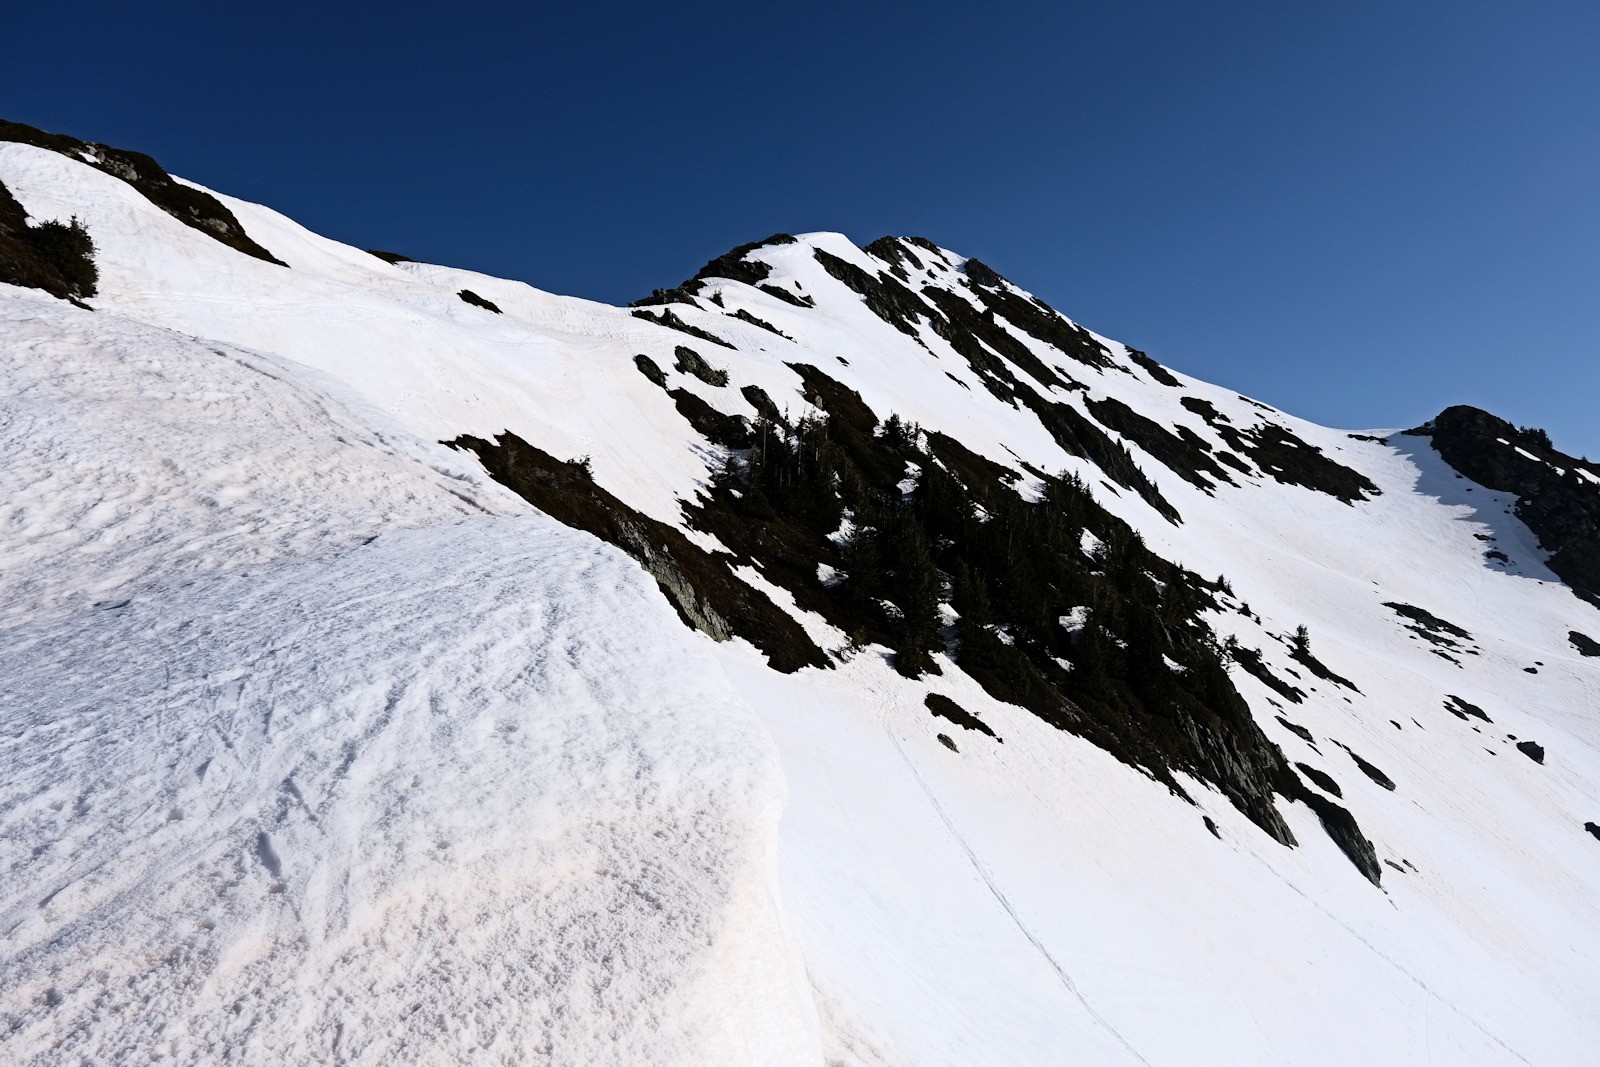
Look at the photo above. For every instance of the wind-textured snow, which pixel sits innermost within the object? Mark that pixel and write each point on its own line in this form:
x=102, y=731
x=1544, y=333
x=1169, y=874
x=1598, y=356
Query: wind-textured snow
x=471, y=791
x=133, y=457
x=312, y=757
x=448, y=795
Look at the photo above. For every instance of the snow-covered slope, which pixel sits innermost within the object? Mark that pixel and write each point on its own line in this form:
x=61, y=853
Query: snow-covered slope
x=328, y=745
x=320, y=747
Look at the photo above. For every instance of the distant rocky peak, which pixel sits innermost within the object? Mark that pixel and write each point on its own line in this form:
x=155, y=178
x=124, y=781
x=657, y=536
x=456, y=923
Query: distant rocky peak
x=1558, y=495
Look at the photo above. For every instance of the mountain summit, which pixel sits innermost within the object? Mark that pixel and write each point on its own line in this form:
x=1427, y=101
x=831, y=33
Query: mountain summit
x=839, y=657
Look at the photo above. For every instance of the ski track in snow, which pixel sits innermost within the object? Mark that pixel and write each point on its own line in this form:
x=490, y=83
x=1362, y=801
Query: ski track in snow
x=1380, y=954
x=1005, y=905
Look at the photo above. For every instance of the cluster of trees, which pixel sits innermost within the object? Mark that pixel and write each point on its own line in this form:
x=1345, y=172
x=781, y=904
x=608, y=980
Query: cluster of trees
x=1535, y=437
x=68, y=248
x=910, y=525
x=57, y=257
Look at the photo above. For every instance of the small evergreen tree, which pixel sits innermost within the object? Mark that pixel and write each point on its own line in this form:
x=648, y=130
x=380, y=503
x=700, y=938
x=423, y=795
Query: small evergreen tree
x=860, y=588
x=917, y=591
x=69, y=249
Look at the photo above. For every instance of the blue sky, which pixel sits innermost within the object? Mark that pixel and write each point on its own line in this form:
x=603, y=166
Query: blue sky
x=1359, y=212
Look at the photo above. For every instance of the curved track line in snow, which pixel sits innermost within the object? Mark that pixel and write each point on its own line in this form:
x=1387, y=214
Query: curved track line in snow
x=1001, y=899
x=1376, y=951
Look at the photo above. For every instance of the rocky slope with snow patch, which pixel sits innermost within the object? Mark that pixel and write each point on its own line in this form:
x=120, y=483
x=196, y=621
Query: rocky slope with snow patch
x=1124, y=718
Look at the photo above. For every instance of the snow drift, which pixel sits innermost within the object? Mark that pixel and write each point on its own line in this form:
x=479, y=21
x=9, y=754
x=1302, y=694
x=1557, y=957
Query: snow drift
x=320, y=750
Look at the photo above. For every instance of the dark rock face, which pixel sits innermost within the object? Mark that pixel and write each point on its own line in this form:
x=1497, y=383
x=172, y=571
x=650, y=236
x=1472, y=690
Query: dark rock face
x=995, y=354
x=1593, y=828
x=200, y=211
x=1322, y=781
x=1428, y=625
x=966, y=328
x=729, y=431
x=945, y=708
x=1298, y=730
x=477, y=301
x=1249, y=770
x=671, y=321
x=1586, y=646
x=1079, y=437
x=1250, y=659
x=744, y=316
x=1446, y=638
x=1282, y=455
x=799, y=300
x=1205, y=409
x=734, y=265
x=683, y=294
x=1302, y=655
x=1461, y=709
x=1159, y=374
x=1368, y=769
x=1339, y=825
x=698, y=583
x=1035, y=317
x=1015, y=573
x=757, y=398
x=688, y=361
x=1183, y=452
x=1532, y=749
x=650, y=369
x=1294, y=462
x=888, y=299
x=1146, y=678
x=1558, y=504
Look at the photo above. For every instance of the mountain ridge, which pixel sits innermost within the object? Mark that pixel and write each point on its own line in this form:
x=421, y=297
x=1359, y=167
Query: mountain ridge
x=893, y=493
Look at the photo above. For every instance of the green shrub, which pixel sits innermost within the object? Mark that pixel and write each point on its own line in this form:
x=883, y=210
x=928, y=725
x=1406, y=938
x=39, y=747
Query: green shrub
x=69, y=250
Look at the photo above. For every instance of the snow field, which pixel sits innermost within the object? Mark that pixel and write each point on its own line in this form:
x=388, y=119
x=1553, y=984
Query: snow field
x=457, y=794
x=1032, y=902
x=312, y=757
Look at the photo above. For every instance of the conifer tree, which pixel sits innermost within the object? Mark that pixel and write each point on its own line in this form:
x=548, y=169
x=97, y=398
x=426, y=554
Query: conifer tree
x=918, y=591
x=860, y=589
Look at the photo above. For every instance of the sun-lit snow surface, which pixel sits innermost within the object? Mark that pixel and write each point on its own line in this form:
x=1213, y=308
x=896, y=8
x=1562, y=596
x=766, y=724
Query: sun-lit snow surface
x=1027, y=902
x=309, y=756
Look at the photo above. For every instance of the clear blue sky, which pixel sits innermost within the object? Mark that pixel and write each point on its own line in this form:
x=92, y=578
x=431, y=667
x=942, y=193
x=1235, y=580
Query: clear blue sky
x=1360, y=212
